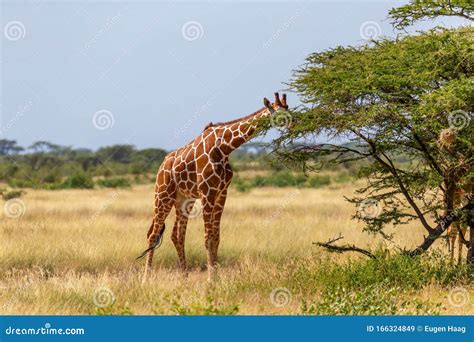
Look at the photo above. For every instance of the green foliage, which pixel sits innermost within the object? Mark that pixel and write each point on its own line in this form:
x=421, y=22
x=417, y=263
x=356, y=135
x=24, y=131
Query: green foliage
x=405, y=272
x=9, y=147
x=44, y=165
x=77, y=181
x=209, y=308
x=383, y=286
x=10, y=194
x=390, y=100
x=281, y=180
x=372, y=300
x=318, y=181
x=118, y=182
x=416, y=10
x=114, y=310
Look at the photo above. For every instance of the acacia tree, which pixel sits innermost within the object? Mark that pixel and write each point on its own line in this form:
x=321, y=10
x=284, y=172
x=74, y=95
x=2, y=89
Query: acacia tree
x=386, y=99
x=416, y=10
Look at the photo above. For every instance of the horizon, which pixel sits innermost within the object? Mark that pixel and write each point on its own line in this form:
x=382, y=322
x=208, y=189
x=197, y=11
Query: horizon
x=106, y=77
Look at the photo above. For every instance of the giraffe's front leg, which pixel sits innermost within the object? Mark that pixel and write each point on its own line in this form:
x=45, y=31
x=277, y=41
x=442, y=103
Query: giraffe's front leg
x=216, y=217
x=210, y=238
x=183, y=210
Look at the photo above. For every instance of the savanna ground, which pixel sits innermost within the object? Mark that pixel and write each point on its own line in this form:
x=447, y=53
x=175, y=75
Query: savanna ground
x=73, y=252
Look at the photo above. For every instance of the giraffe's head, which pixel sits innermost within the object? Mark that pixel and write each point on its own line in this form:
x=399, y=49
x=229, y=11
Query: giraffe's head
x=278, y=105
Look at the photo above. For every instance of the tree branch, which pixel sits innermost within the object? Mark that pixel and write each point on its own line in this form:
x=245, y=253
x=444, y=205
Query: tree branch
x=443, y=224
x=329, y=245
x=393, y=170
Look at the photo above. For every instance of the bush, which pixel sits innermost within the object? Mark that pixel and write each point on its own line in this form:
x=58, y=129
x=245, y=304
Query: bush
x=401, y=271
x=281, y=180
x=10, y=194
x=240, y=184
x=22, y=183
x=210, y=307
x=118, y=182
x=318, y=181
x=77, y=181
x=371, y=300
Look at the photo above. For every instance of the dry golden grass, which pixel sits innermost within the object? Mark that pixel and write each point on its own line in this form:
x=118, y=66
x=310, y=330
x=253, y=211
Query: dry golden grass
x=70, y=243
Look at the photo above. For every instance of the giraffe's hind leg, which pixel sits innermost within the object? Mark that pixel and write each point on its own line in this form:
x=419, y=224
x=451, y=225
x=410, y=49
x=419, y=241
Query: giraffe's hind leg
x=183, y=208
x=452, y=235
x=164, y=201
x=462, y=231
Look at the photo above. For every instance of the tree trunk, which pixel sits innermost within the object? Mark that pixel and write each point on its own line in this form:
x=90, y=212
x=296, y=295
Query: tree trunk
x=443, y=224
x=470, y=224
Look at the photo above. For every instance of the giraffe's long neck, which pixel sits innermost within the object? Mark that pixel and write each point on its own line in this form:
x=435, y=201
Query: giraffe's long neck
x=235, y=133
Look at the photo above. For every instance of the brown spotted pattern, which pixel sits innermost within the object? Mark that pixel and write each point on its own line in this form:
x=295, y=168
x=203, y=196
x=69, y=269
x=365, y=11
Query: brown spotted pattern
x=201, y=170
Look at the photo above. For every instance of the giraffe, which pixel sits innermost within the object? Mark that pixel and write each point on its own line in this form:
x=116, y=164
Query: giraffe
x=456, y=231
x=201, y=170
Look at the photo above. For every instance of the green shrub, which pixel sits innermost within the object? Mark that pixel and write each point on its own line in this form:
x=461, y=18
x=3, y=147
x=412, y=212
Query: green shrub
x=343, y=178
x=77, y=181
x=22, y=183
x=318, y=181
x=10, y=194
x=118, y=182
x=240, y=184
x=408, y=273
x=281, y=180
x=370, y=300
x=209, y=308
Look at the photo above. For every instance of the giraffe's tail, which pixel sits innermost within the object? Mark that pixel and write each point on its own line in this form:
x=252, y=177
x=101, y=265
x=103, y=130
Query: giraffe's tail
x=158, y=240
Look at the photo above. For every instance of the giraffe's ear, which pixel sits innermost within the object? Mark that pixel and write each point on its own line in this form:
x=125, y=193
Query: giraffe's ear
x=267, y=103
x=283, y=101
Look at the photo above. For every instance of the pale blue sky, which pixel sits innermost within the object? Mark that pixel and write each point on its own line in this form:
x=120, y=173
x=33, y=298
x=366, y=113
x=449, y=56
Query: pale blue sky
x=61, y=62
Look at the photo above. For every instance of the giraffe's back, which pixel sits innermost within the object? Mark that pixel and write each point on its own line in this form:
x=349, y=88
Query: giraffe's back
x=198, y=168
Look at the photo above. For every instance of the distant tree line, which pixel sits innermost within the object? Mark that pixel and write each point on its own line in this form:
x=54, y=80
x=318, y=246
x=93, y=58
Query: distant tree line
x=44, y=162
